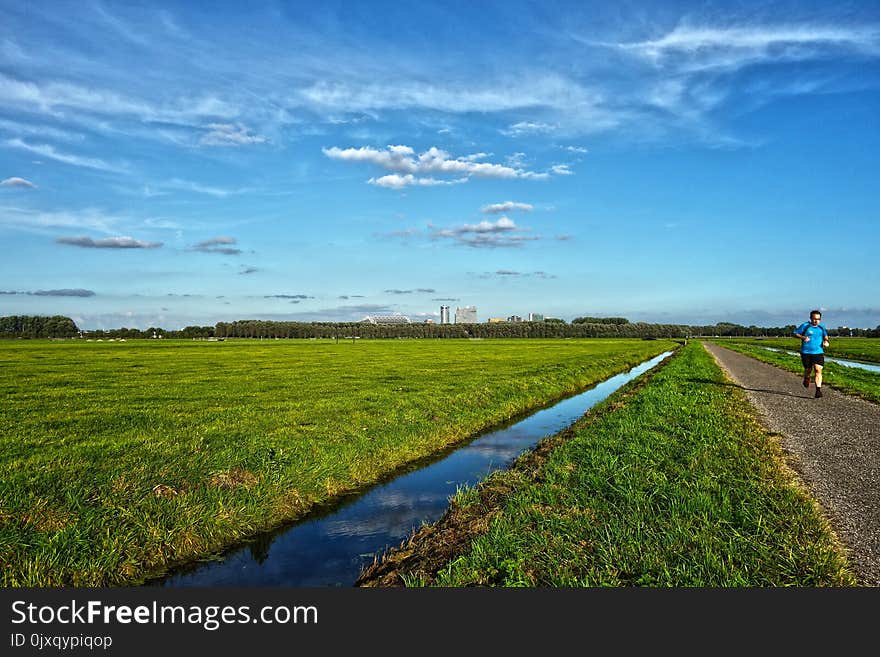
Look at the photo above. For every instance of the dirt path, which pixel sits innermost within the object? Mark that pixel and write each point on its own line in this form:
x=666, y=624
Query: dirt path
x=834, y=444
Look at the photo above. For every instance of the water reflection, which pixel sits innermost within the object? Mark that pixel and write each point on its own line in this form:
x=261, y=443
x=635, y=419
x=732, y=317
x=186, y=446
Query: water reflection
x=331, y=550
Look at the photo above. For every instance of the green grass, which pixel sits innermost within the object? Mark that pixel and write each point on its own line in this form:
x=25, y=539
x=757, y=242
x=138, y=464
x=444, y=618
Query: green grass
x=859, y=349
x=118, y=460
x=667, y=484
x=852, y=380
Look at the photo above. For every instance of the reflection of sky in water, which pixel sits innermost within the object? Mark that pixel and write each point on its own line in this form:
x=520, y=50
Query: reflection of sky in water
x=845, y=363
x=331, y=550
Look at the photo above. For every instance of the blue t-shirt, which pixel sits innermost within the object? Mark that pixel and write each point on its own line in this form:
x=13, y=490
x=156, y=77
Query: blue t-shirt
x=816, y=334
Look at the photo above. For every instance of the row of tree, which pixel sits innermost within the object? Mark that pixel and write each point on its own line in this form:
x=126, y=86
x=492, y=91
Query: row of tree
x=34, y=326
x=582, y=327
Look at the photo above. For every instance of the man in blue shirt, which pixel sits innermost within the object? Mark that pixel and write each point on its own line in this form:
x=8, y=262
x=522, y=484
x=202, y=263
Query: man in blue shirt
x=814, y=339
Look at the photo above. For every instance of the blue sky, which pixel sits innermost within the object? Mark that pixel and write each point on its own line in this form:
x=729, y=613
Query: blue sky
x=180, y=164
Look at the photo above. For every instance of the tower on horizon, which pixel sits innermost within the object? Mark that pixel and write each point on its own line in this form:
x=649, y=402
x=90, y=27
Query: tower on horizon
x=444, y=314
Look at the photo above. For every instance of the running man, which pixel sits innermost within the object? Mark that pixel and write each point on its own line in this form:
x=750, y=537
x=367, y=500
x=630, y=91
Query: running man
x=814, y=340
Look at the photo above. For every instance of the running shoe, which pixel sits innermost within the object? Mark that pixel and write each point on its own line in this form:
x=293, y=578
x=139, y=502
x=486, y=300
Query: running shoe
x=806, y=381
x=818, y=392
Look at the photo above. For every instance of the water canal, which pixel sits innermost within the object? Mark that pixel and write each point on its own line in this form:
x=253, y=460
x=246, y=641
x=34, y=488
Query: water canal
x=331, y=548
x=846, y=363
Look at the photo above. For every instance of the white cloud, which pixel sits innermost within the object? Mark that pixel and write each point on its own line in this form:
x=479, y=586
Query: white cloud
x=507, y=206
x=17, y=182
x=396, y=181
x=501, y=233
x=528, y=128
x=402, y=160
x=561, y=170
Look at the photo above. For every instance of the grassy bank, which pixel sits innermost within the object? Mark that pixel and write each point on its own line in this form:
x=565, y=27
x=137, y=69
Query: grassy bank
x=852, y=380
x=669, y=483
x=120, y=459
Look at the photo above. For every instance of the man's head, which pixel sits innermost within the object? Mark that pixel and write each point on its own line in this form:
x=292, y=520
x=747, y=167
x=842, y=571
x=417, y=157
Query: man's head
x=815, y=316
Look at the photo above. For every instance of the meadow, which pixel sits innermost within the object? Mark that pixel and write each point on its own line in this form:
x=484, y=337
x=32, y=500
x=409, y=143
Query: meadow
x=852, y=380
x=670, y=482
x=120, y=460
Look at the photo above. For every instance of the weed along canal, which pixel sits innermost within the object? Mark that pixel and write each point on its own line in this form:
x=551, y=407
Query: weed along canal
x=331, y=548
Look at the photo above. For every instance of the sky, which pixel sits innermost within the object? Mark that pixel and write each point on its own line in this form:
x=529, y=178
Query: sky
x=171, y=164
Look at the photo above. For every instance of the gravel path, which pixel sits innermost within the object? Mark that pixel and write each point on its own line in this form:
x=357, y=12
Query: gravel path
x=834, y=443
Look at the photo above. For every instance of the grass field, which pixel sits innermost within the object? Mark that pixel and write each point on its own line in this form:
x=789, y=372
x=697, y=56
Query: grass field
x=852, y=380
x=667, y=484
x=120, y=459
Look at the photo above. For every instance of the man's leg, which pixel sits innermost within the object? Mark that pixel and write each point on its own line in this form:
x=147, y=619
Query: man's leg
x=806, y=377
x=818, y=369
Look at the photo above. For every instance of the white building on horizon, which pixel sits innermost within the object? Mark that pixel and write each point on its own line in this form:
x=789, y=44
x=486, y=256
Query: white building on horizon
x=444, y=314
x=394, y=318
x=466, y=315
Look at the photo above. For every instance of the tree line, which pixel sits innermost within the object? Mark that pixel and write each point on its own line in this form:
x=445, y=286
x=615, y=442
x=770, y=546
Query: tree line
x=581, y=327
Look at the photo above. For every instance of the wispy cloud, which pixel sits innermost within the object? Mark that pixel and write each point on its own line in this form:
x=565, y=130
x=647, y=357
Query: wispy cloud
x=90, y=219
x=47, y=150
x=528, y=90
x=55, y=98
x=698, y=47
x=189, y=186
x=40, y=129
x=227, y=134
x=108, y=243
x=416, y=291
x=17, y=182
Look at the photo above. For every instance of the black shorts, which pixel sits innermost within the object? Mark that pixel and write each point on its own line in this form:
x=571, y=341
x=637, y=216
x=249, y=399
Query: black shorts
x=812, y=359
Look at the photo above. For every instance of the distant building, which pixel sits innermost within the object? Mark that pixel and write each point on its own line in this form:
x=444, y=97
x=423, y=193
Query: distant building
x=394, y=318
x=444, y=314
x=536, y=317
x=466, y=315
x=514, y=318
x=495, y=320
